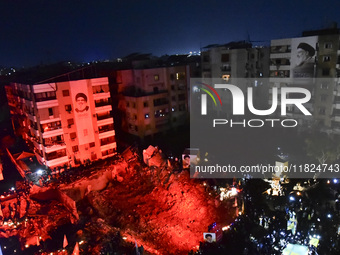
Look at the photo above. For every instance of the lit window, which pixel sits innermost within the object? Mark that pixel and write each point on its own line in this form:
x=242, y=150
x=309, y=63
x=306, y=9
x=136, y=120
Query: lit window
x=156, y=77
x=326, y=58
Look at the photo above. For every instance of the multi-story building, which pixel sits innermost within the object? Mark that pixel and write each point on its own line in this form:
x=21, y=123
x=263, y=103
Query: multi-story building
x=236, y=63
x=287, y=69
x=67, y=123
x=154, y=100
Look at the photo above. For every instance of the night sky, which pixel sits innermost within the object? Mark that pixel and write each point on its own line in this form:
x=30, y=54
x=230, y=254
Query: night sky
x=42, y=32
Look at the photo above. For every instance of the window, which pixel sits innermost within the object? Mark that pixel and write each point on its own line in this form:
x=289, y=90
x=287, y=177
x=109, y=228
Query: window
x=324, y=85
x=328, y=45
x=225, y=57
x=182, y=107
x=50, y=111
x=326, y=58
x=127, y=104
x=146, y=104
x=75, y=148
x=156, y=77
x=147, y=116
x=73, y=135
x=172, y=76
x=70, y=122
x=323, y=98
x=92, y=144
x=93, y=156
x=68, y=108
x=325, y=71
x=181, y=97
x=180, y=76
x=322, y=111
x=133, y=105
x=173, y=98
x=173, y=109
x=172, y=87
x=66, y=93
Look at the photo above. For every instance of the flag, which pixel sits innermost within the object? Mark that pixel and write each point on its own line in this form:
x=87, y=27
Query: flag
x=76, y=249
x=65, y=243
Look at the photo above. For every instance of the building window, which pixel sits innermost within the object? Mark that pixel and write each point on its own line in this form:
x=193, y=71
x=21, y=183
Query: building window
x=172, y=76
x=50, y=111
x=181, y=97
x=70, y=122
x=75, y=148
x=323, y=98
x=66, y=93
x=68, y=108
x=93, y=156
x=92, y=144
x=325, y=71
x=172, y=87
x=173, y=109
x=127, y=104
x=146, y=104
x=180, y=76
x=326, y=58
x=156, y=77
x=328, y=46
x=73, y=135
x=324, y=85
x=182, y=107
x=147, y=116
x=173, y=98
x=322, y=111
x=225, y=57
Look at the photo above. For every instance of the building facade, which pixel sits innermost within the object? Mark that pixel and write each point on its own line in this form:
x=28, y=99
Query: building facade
x=153, y=100
x=66, y=123
x=240, y=64
x=320, y=76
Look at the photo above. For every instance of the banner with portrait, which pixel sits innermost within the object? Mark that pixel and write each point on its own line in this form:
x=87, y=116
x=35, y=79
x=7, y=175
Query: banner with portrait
x=82, y=112
x=303, y=54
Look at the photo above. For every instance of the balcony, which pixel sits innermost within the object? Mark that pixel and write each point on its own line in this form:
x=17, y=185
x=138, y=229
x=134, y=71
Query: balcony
x=108, y=146
x=105, y=108
x=47, y=104
x=102, y=95
x=57, y=161
x=56, y=132
x=106, y=134
x=105, y=122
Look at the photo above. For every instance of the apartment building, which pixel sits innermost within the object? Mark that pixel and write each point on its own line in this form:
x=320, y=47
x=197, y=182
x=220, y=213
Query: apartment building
x=66, y=123
x=154, y=100
x=236, y=63
x=319, y=73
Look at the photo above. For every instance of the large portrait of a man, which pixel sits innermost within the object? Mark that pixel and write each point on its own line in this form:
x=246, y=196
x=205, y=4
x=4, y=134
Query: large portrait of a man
x=304, y=61
x=81, y=103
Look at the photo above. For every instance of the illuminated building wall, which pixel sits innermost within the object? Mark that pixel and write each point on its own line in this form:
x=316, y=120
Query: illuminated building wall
x=323, y=82
x=66, y=122
x=155, y=100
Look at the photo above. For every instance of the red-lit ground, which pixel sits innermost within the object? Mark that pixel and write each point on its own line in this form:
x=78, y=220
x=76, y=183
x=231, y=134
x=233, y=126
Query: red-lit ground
x=165, y=216
x=165, y=211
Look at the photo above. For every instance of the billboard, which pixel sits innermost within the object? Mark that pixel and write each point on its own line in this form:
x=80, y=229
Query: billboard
x=82, y=112
x=303, y=52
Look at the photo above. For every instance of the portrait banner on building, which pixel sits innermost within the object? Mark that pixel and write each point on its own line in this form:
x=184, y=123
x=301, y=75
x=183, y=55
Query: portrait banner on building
x=82, y=112
x=303, y=54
